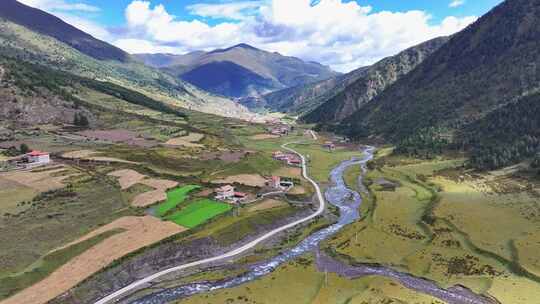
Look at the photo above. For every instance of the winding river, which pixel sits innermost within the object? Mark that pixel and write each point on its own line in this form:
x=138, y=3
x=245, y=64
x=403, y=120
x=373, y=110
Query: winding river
x=348, y=203
x=339, y=195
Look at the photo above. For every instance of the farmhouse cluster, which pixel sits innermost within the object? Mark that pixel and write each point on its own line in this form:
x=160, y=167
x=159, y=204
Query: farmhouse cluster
x=288, y=158
x=279, y=129
x=228, y=193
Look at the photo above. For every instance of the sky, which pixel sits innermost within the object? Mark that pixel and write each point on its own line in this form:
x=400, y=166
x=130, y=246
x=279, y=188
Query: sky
x=343, y=34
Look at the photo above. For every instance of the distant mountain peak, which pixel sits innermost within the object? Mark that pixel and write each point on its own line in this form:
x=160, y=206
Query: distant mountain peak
x=238, y=46
x=245, y=46
x=240, y=70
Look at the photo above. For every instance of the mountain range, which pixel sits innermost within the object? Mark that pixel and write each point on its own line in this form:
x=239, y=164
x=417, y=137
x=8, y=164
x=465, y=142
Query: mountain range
x=467, y=94
x=336, y=98
x=239, y=71
x=46, y=43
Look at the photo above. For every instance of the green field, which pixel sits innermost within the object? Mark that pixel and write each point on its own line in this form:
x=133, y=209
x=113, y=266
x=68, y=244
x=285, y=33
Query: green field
x=174, y=198
x=198, y=212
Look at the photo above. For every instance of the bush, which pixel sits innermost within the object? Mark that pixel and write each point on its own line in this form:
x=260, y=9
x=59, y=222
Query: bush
x=80, y=120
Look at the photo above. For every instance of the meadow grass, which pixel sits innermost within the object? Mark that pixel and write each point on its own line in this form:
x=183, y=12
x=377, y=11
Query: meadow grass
x=174, y=198
x=299, y=281
x=198, y=212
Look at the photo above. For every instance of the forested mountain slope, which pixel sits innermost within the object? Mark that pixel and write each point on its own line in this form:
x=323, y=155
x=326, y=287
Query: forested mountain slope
x=371, y=82
x=490, y=63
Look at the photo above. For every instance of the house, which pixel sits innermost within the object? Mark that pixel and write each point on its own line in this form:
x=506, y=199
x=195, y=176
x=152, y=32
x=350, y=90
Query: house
x=225, y=193
x=294, y=160
x=289, y=158
x=239, y=197
x=278, y=155
x=36, y=158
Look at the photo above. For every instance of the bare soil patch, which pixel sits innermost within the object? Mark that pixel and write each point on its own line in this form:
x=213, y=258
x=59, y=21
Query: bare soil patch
x=88, y=155
x=39, y=181
x=264, y=136
x=253, y=180
x=189, y=141
x=289, y=172
x=297, y=190
x=228, y=157
x=266, y=204
x=127, y=177
x=139, y=232
x=119, y=136
x=156, y=196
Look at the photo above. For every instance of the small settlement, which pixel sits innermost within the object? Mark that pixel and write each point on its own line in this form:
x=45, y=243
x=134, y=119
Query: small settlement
x=278, y=128
x=288, y=158
x=29, y=160
x=228, y=193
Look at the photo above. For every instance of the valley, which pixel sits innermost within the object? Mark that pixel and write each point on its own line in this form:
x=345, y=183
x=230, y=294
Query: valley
x=228, y=173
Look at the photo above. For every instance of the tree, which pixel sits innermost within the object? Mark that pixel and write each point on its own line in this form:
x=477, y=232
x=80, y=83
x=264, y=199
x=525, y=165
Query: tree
x=80, y=120
x=23, y=148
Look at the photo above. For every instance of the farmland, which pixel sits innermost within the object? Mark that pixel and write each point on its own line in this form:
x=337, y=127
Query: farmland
x=423, y=224
x=174, y=198
x=198, y=212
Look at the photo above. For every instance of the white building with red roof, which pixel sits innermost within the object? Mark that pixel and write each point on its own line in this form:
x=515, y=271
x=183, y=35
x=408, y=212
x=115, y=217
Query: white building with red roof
x=38, y=158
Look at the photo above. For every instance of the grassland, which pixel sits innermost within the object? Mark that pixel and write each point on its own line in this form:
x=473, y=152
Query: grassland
x=174, y=198
x=198, y=212
x=299, y=282
x=447, y=224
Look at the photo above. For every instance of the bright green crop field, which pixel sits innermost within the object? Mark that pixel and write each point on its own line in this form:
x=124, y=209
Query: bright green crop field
x=174, y=198
x=198, y=212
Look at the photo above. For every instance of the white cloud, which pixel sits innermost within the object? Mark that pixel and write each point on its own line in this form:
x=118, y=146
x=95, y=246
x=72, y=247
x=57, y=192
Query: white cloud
x=137, y=46
x=60, y=5
x=456, y=3
x=339, y=33
x=158, y=25
x=230, y=10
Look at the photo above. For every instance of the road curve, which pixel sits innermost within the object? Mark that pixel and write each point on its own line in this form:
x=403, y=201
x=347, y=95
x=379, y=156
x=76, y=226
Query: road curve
x=235, y=252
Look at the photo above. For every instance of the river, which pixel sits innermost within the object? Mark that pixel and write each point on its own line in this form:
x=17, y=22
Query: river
x=348, y=203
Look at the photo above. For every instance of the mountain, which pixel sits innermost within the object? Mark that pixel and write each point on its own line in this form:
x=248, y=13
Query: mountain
x=490, y=65
x=46, y=24
x=32, y=36
x=239, y=71
x=371, y=81
x=303, y=98
x=335, y=98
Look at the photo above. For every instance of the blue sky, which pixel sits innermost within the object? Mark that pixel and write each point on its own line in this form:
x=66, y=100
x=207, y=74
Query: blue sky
x=112, y=13
x=344, y=34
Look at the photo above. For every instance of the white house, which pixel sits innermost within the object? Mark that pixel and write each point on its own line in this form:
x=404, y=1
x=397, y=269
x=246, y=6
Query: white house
x=38, y=158
x=225, y=193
